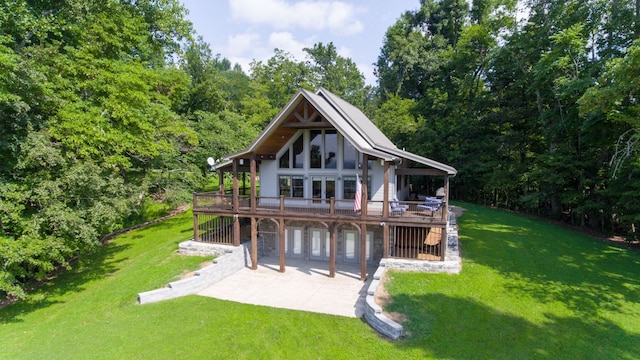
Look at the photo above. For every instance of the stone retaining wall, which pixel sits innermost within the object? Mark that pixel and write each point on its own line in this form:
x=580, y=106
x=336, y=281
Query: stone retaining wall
x=373, y=312
x=230, y=259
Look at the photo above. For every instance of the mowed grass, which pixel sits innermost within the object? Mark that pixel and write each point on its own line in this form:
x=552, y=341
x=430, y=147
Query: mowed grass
x=528, y=289
x=91, y=312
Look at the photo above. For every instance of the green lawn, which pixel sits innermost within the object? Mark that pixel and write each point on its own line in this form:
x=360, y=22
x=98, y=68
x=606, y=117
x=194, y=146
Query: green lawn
x=527, y=290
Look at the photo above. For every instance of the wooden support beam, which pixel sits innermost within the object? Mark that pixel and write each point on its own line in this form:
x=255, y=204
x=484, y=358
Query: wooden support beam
x=236, y=189
x=443, y=243
x=365, y=181
x=221, y=182
x=385, y=202
x=281, y=247
x=299, y=117
x=385, y=241
x=236, y=204
x=196, y=236
x=363, y=252
x=254, y=244
x=445, y=209
x=332, y=250
x=236, y=230
x=419, y=171
x=253, y=175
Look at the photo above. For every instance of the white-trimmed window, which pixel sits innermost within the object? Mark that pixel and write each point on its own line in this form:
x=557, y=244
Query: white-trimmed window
x=291, y=185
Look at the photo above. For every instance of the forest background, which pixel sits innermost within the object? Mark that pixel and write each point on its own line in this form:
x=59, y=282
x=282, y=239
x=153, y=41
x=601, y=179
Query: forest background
x=105, y=105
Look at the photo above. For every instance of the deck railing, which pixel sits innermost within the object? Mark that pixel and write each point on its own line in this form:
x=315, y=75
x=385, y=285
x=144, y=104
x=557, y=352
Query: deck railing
x=420, y=243
x=212, y=201
x=215, y=229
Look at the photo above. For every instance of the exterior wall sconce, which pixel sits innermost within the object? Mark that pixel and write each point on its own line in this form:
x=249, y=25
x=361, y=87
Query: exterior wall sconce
x=241, y=161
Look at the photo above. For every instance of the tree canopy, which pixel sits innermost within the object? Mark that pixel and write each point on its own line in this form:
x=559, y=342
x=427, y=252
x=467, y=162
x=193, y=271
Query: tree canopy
x=538, y=115
x=106, y=104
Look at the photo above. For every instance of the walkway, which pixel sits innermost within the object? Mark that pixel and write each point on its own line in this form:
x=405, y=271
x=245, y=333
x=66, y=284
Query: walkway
x=305, y=285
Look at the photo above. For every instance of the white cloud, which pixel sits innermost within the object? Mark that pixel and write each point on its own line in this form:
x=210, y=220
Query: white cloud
x=285, y=41
x=344, y=51
x=336, y=16
x=243, y=48
x=241, y=43
x=367, y=71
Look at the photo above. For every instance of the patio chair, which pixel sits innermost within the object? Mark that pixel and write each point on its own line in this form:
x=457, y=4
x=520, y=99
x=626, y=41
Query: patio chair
x=396, y=208
x=431, y=204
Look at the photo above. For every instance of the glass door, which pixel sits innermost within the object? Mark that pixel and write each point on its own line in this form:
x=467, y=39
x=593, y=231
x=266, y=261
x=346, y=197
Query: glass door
x=293, y=242
x=352, y=246
x=323, y=188
x=320, y=242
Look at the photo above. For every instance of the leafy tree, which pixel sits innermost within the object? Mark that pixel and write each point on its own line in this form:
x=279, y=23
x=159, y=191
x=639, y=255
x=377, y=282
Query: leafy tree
x=335, y=73
x=88, y=102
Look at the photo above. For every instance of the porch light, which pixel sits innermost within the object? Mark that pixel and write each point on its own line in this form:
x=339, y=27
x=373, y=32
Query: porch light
x=241, y=161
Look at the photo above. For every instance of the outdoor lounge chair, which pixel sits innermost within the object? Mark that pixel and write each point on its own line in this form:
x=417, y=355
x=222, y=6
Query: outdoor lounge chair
x=431, y=204
x=396, y=208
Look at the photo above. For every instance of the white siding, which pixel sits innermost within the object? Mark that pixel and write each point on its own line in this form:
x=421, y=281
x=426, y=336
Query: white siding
x=377, y=182
x=269, y=178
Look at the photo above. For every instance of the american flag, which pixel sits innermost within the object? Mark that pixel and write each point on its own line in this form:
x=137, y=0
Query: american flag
x=357, y=205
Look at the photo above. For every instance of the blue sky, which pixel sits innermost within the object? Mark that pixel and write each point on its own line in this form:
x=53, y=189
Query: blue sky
x=246, y=30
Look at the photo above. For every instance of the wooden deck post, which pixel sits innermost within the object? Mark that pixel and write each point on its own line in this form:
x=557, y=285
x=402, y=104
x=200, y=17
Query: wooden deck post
x=252, y=167
x=254, y=243
x=363, y=227
x=385, y=199
x=385, y=241
x=236, y=205
x=365, y=181
x=443, y=244
x=196, y=236
x=332, y=250
x=236, y=230
x=281, y=204
x=445, y=208
x=236, y=190
x=221, y=182
x=281, y=246
x=363, y=252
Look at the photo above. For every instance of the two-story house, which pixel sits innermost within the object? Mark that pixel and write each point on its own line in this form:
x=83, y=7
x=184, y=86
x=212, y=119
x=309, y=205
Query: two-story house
x=332, y=187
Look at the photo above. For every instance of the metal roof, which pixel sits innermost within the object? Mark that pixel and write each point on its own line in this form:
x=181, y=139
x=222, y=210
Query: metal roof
x=352, y=123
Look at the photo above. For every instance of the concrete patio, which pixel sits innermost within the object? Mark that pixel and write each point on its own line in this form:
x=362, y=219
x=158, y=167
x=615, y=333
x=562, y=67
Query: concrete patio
x=305, y=285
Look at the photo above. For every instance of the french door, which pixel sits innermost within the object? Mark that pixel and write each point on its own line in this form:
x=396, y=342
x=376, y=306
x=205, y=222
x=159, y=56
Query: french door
x=323, y=188
x=293, y=242
x=320, y=240
x=352, y=246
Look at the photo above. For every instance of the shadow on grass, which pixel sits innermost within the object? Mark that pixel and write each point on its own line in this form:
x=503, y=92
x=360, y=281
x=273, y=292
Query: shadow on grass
x=551, y=263
x=491, y=334
x=105, y=261
x=87, y=268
